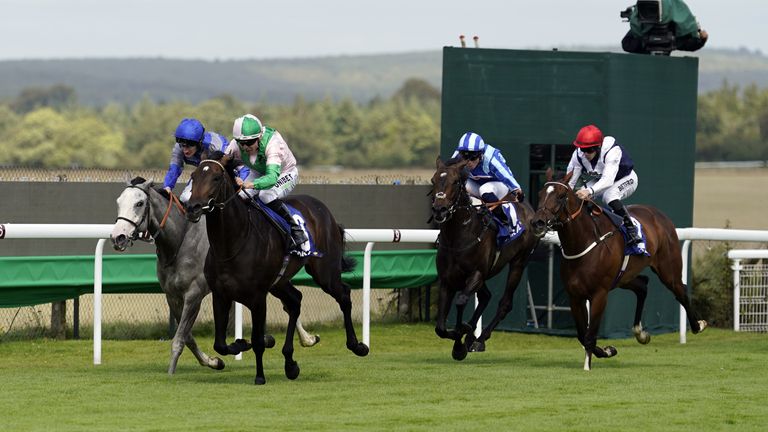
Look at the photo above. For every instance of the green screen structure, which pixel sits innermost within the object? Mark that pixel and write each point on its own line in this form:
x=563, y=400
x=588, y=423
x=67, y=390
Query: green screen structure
x=531, y=104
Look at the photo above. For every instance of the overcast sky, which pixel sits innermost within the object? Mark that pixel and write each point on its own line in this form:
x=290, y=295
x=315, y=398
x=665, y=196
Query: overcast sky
x=238, y=29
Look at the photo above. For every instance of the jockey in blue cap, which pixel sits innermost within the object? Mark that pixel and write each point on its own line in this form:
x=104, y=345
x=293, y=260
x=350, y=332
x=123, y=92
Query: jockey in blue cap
x=193, y=144
x=490, y=179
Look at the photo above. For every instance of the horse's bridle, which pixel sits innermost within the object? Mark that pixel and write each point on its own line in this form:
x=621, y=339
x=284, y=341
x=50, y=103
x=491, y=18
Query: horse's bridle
x=136, y=225
x=145, y=218
x=454, y=204
x=555, y=222
x=212, y=204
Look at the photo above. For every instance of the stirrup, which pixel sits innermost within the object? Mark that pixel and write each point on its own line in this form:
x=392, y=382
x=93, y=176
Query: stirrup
x=633, y=237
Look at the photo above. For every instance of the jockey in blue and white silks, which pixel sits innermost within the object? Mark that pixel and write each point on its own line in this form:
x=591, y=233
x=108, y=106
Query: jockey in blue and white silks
x=193, y=144
x=607, y=170
x=490, y=179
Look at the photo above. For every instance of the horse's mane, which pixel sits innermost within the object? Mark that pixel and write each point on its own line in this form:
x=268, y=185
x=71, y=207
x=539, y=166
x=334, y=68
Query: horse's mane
x=229, y=162
x=453, y=161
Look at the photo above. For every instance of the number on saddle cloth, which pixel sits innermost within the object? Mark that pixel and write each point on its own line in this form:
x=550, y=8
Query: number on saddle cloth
x=618, y=222
x=286, y=228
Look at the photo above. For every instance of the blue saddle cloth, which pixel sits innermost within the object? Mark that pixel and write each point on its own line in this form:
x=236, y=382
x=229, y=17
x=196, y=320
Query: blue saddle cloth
x=635, y=249
x=505, y=234
x=311, y=250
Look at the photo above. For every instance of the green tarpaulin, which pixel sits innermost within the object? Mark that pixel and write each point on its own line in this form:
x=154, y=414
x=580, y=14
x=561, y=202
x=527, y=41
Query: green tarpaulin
x=26, y=281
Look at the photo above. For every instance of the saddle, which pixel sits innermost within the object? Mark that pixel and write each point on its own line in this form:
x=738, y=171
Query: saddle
x=505, y=233
x=618, y=222
x=285, y=229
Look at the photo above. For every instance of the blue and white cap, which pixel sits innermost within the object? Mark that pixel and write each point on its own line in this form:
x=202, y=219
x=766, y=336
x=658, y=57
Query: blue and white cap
x=471, y=141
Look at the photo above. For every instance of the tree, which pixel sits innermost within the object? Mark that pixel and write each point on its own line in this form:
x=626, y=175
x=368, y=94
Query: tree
x=58, y=97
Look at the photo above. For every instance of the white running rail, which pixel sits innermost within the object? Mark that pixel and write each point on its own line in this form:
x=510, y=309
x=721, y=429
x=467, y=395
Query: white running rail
x=369, y=236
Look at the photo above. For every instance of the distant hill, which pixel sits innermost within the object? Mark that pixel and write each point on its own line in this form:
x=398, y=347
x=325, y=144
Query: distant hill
x=361, y=78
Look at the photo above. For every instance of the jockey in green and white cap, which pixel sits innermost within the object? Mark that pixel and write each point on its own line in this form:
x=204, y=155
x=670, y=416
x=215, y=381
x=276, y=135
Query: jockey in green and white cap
x=273, y=170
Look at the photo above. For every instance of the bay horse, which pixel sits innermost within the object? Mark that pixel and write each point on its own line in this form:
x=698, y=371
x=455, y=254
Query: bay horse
x=594, y=262
x=247, y=259
x=144, y=211
x=468, y=255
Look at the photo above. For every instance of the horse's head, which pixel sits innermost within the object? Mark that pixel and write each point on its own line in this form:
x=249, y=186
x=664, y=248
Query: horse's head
x=211, y=186
x=448, y=188
x=552, y=211
x=132, y=214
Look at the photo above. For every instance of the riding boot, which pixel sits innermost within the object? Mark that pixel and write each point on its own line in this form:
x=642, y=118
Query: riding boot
x=296, y=235
x=632, y=236
x=499, y=213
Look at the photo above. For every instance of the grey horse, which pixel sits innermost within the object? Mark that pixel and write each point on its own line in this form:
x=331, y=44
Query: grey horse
x=181, y=249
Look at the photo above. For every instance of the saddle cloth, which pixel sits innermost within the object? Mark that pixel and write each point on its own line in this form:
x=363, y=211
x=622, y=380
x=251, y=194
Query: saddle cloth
x=618, y=222
x=307, y=248
x=505, y=234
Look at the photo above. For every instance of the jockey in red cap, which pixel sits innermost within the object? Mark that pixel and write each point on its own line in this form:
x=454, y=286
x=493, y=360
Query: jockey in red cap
x=606, y=170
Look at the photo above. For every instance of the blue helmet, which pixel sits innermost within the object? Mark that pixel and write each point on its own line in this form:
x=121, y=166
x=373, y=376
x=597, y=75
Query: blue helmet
x=471, y=142
x=190, y=130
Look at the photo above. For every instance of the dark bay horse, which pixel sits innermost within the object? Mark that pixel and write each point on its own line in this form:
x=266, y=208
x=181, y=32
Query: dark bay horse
x=181, y=249
x=468, y=255
x=247, y=259
x=593, y=252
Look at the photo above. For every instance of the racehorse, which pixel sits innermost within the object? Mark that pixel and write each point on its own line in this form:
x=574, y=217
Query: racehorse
x=181, y=250
x=595, y=263
x=248, y=258
x=468, y=255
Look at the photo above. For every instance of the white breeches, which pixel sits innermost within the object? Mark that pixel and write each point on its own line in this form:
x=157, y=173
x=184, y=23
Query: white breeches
x=497, y=188
x=284, y=185
x=620, y=190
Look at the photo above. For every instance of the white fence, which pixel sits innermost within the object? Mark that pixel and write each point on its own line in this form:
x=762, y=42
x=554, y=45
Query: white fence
x=370, y=236
x=750, y=290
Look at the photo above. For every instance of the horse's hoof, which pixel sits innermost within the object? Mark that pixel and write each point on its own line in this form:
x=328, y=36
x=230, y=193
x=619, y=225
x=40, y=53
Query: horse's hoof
x=314, y=340
x=702, y=325
x=643, y=337
x=361, y=349
x=610, y=351
x=292, y=370
x=269, y=341
x=459, y=352
x=218, y=364
x=238, y=346
x=260, y=380
x=477, y=346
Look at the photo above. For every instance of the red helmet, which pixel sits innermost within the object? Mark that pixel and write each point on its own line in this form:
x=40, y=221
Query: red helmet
x=589, y=136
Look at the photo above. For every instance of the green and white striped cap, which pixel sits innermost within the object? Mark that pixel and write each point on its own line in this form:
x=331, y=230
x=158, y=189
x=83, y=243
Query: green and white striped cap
x=247, y=127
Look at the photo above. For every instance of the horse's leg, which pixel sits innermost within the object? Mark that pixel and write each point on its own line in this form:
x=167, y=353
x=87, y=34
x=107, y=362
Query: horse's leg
x=306, y=339
x=329, y=279
x=473, y=283
x=443, y=304
x=221, y=308
x=639, y=286
x=291, y=298
x=483, y=297
x=505, y=305
x=258, y=316
x=669, y=272
x=189, y=312
x=596, y=309
x=581, y=320
x=474, y=280
x=175, y=305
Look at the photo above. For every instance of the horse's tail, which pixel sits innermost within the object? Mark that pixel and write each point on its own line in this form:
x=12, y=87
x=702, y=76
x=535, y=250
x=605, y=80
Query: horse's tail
x=348, y=263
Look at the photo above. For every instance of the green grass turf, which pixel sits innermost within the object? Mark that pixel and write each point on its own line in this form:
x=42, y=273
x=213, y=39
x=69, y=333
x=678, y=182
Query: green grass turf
x=717, y=381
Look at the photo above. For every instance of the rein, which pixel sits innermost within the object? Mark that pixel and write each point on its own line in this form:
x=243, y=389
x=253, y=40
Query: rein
x=173, y=200
x=212, y=204
x=571, y=217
